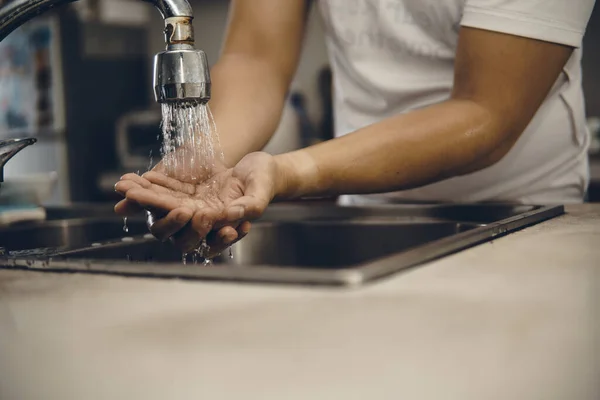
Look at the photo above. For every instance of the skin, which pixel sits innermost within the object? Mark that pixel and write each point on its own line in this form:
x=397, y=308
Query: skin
x=500, y=82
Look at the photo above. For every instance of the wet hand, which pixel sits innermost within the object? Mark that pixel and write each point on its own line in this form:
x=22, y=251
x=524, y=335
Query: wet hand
x=219, y=208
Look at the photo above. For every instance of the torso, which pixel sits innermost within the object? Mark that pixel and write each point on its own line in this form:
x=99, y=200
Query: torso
x=394, y=56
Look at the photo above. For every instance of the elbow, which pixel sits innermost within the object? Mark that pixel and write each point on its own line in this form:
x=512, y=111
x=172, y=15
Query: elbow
x=493, y=136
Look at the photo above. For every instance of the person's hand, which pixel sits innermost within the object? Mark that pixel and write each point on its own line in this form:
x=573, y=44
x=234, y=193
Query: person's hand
x=218, y=208
x=184, y=164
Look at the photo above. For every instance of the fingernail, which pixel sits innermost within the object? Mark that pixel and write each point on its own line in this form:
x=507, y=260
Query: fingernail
x=228, y=239
x=235, y=213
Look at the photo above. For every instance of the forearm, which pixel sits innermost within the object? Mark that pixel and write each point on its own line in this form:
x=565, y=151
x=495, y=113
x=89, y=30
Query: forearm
x=402, y=152
x=247, y=102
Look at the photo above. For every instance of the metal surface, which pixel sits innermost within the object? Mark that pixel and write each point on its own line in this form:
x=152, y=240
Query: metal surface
x=8, y=149
x=179, y=31
x=322, y=245
x=66, y=234
x=319, y=245
x=181, y=75
x=16, y=12
x=81, y=211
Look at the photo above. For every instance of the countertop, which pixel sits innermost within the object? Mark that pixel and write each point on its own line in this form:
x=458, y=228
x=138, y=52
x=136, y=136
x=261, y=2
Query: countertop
x=517, y=318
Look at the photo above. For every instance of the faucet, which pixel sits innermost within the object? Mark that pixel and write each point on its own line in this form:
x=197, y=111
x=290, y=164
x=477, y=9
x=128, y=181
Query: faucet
x=10, y=147
x=181, y=73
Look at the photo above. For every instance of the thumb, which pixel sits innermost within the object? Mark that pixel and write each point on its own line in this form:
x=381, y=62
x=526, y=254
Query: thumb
x=253, y=203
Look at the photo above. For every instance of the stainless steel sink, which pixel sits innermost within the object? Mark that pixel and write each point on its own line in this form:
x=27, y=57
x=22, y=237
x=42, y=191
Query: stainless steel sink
x=80, y=211
x=49, y=237
x=290, y=244
x=327, y=245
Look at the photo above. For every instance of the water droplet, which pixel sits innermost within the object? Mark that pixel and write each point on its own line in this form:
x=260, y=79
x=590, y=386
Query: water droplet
x=230, y=254
x=184, y=258
x=125, y=227
x=195, y=258
x=204, y=249
x=129, y=258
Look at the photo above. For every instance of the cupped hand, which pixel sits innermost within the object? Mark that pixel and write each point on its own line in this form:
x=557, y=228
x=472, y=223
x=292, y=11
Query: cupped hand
x=218, y=207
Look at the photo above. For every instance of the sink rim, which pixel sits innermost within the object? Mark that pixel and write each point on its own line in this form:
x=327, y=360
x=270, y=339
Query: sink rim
x=355, y=276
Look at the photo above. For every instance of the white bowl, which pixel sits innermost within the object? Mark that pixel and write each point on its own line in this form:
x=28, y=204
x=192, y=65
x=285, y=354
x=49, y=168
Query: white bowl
x=28, y=189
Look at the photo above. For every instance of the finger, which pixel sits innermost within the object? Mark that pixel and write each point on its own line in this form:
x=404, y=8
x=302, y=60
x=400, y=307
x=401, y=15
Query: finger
x=220, y=239
x=257, y=197
x=131, y=179
x=150, y=199
x=204, y=220
x=187, y=239
x=137, y=179
x=247, y=208
x=170, y=183
x=123, y=186
x=127, y=208
x=172, y=223
x=227, y=235
x=243, y=230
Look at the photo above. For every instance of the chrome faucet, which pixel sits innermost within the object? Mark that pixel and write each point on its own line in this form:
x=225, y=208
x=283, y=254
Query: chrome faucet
x=181, y=73
x=10, y=147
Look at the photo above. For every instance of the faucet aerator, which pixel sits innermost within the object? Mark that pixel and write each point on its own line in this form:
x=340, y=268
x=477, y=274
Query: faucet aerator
x=182, y=75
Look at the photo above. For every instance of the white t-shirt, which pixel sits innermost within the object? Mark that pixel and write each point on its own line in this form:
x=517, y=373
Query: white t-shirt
x=394, y=56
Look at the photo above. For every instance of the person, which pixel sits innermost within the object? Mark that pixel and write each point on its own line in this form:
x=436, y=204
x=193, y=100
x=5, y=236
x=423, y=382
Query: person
x=435, y=100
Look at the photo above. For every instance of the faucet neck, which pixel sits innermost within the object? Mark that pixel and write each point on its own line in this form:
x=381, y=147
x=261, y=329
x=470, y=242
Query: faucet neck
x=9, y=148
x=16, y=12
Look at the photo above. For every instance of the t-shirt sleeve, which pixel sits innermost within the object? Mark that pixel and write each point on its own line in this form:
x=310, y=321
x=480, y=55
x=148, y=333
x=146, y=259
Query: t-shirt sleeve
x=557, y=21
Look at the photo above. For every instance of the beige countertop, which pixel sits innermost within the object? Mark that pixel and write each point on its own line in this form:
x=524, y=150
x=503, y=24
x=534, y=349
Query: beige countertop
x=517, y=318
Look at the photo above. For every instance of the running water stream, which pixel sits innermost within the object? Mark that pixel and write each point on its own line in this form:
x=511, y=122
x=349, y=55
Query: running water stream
x=191, y=151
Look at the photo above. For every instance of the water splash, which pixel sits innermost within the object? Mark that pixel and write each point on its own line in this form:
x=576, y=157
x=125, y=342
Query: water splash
x=204, y=249
x=191, y=150
x=151, y=163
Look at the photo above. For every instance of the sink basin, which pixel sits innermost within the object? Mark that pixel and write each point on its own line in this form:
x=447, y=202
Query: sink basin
x=299, y=244
x=80, y=211
x=328, y=245
x=40, y=238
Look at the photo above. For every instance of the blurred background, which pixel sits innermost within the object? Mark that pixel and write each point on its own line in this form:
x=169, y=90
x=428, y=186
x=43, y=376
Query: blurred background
x=79, y=79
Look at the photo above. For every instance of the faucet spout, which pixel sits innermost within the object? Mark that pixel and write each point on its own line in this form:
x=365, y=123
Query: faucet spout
x=16, y=12
x=181, y=73
x=8, y=149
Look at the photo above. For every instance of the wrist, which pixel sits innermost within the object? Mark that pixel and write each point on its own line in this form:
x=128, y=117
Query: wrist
x=296, y=175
